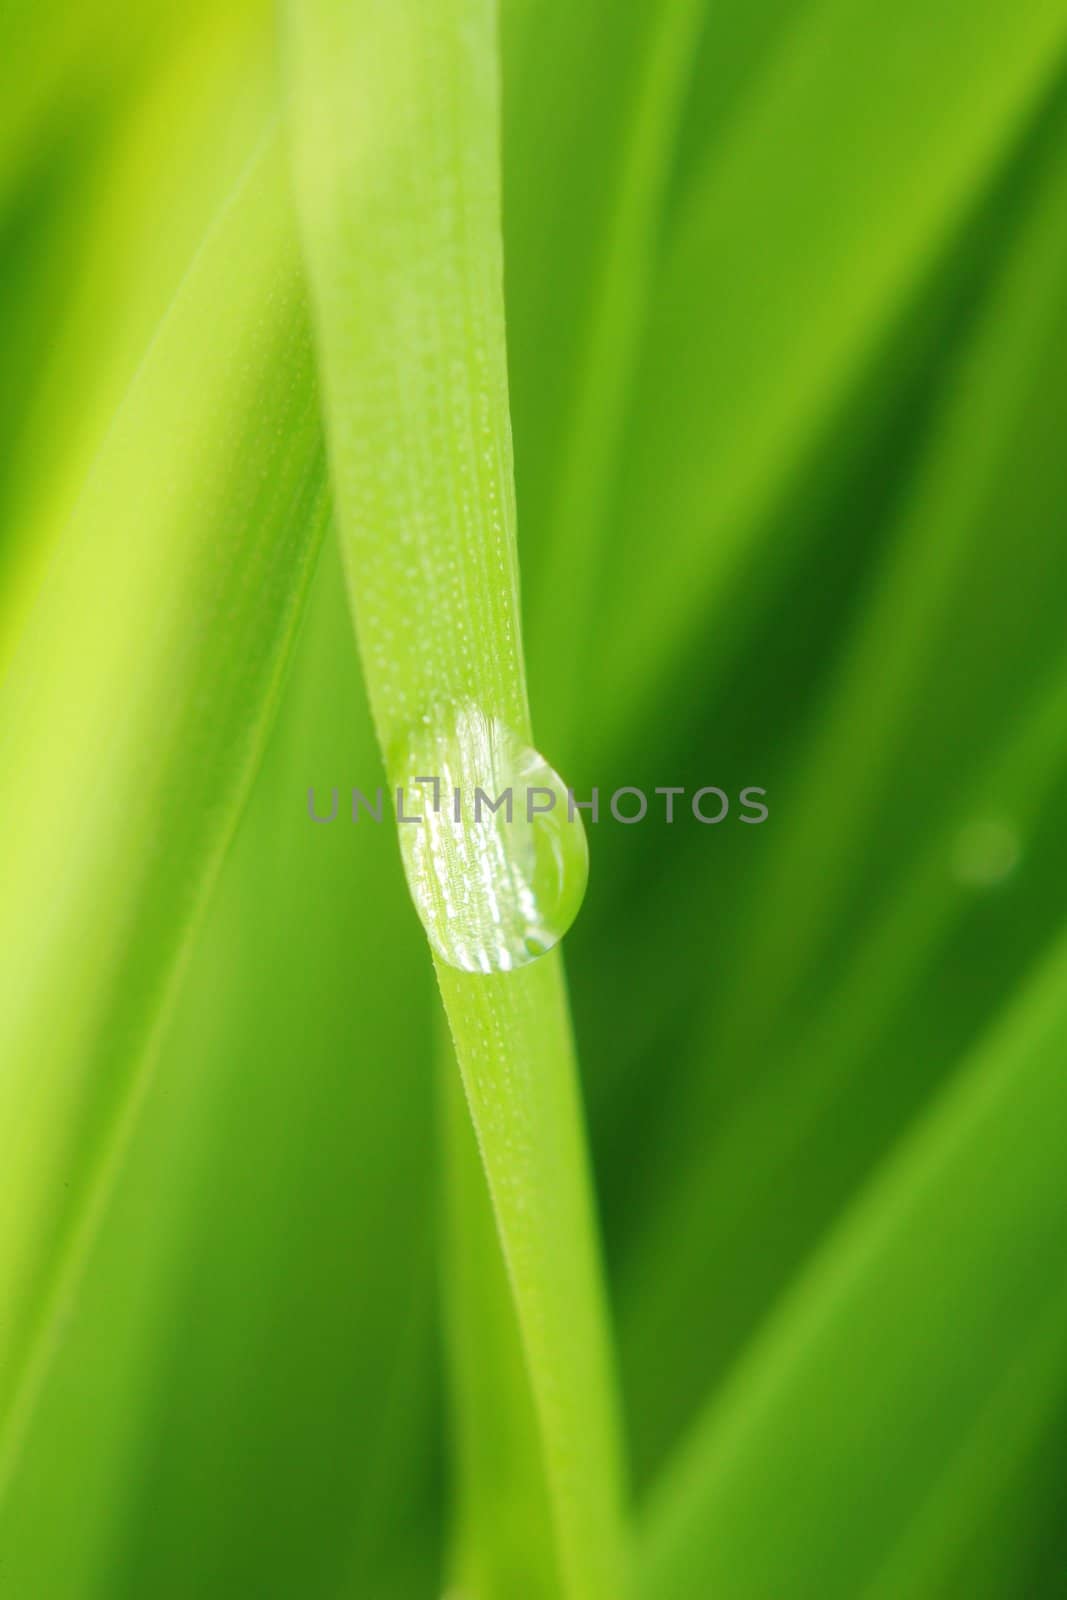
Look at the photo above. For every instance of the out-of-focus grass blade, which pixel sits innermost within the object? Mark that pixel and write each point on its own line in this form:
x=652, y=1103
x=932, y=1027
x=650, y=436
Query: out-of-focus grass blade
x=135, y=194
x=754, y=1179
x=315, y=1287
x=797, y=250
x=56, y=58
x=572, y=78
x=264, y=1275
x=396, y=127
x=659, y=43
x=930, y=1561
x=965, y=1229
x=918, y=667
x=779, y=644
x=922, y=721
x=130, y=723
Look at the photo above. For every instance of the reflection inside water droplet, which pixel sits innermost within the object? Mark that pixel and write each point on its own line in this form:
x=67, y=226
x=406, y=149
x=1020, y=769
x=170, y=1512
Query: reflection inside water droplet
x=496, y=865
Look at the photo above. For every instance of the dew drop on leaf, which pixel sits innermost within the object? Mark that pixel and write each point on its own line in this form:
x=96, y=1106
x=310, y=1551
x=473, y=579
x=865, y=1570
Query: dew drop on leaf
x=498, y=874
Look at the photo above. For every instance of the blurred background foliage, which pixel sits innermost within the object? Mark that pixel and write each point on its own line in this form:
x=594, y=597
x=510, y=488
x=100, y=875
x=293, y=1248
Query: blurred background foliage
x=787, y=320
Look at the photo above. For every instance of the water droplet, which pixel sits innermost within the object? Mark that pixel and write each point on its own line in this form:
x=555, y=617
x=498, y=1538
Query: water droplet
x=498, y=874
x=985, y=852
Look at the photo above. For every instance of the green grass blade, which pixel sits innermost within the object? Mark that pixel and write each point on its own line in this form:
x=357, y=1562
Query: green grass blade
x=145, y=178
x=618, y=294
x=313, y=1283
x=918, y=660
x=56, y=58
x=264, y=1273
x=512, y=1037
x=995, y=1457
x=796, y=251
x=396, y=128
x=962, y=1229
x=502, y=1543
x=131, y=721
x=865, y=843
x=754, y=1176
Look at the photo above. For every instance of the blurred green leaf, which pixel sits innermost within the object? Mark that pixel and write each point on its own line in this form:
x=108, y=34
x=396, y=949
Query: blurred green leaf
x=964, y=744
x=785, y=334
x=931, y=1558
x=58, y=57
x=963, y=1229
x=803, y=239
x=656, y=46
x=257, y=1320
x=130, y=192
x=131, y=720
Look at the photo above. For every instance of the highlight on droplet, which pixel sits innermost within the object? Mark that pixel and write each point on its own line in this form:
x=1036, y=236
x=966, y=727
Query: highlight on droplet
x=494, y=850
